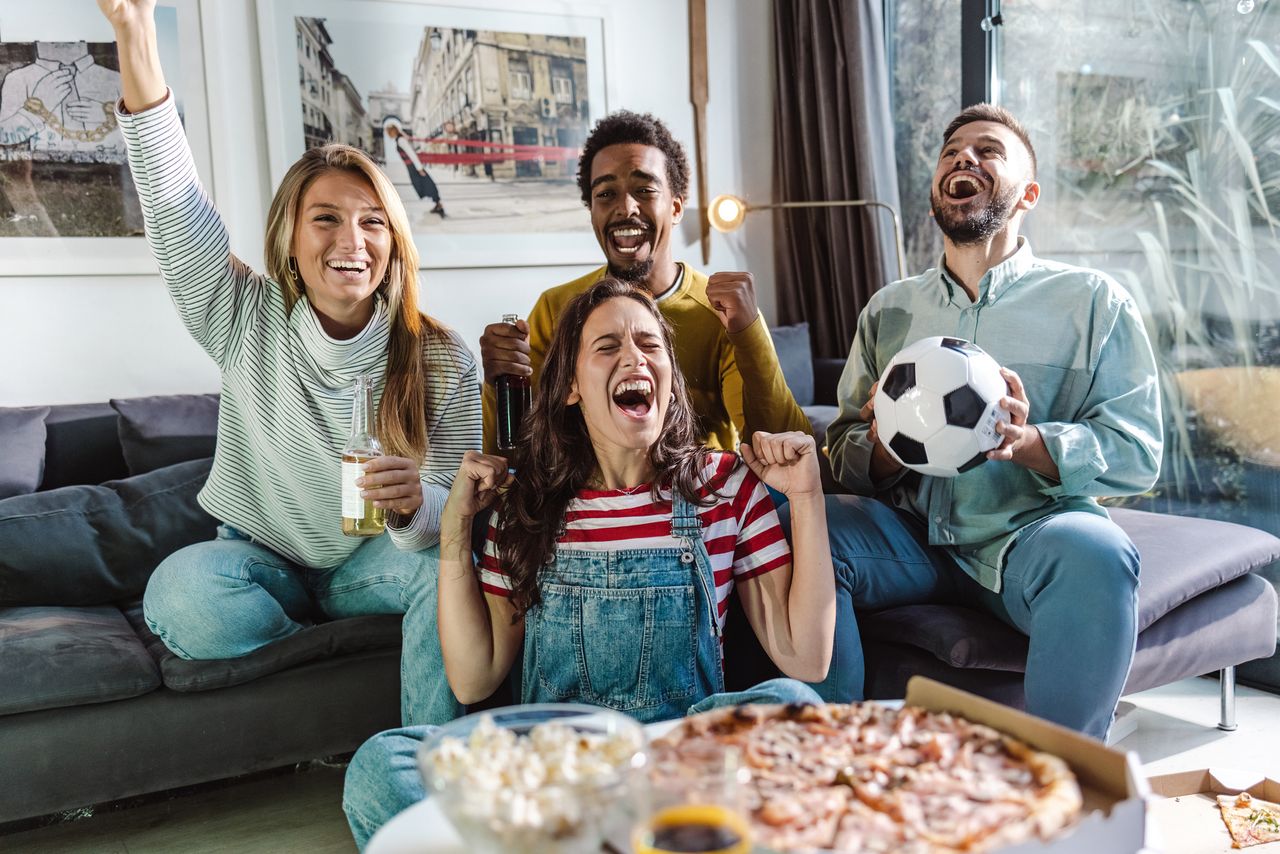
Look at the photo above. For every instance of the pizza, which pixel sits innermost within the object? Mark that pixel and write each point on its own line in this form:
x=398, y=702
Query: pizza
x=864, y=777
x=1250, y=820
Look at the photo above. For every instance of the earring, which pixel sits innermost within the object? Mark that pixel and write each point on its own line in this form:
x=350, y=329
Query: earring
x=292, y=266
x=386, y=277
x=673, y=397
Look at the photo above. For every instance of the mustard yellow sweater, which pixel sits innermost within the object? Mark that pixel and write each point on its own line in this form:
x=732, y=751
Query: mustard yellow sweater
x=734, y=381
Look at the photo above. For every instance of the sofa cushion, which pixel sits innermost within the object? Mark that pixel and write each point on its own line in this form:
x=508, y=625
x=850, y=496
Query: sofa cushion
x=89, y=545
x=795, y=357
x=82, y=446
x=324, y=640
x=1183, y=556
x=167, y=429
x=22, y=463
x=53, y=656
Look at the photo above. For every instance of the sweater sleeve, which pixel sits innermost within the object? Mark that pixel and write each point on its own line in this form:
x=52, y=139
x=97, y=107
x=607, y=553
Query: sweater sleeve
x=212, y=289
x=454, y=427
x=755, y=392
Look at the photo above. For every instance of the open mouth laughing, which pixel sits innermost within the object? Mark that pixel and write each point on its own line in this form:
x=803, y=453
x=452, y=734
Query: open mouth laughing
x=626, y=238
x=963, y=185
x=634, y=397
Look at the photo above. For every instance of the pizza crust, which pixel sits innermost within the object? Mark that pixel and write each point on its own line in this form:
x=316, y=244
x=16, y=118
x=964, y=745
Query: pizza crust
x=864, y=777
x=1250, y=820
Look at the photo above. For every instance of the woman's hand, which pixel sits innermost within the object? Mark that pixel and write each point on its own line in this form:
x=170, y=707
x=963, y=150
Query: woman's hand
x=788, y=462
x=125, y=14
x=392, y=483
x=476, y=485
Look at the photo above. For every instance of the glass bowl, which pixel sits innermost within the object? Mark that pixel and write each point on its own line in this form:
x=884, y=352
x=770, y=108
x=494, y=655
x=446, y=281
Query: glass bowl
x=566, y=787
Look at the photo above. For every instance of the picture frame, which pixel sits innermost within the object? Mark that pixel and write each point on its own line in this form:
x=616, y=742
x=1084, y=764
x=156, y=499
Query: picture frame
x=182, y=53
x=488, y=101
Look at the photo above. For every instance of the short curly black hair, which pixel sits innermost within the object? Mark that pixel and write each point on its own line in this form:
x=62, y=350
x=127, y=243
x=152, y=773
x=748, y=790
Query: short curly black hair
x=625, y=128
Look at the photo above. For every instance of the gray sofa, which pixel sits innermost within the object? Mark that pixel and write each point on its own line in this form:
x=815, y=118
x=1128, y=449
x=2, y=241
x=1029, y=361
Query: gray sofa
x=93, y=707
x=1202, y=608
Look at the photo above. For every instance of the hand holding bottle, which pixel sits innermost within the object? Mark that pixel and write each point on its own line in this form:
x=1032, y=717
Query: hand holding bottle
x=504, y=350
x=392, y=483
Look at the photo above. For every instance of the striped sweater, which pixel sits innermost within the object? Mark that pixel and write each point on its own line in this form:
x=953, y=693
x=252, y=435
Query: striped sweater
x=286, y=385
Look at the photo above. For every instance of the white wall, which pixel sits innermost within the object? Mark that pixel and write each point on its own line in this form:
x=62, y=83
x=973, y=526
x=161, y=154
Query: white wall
x=80, y=339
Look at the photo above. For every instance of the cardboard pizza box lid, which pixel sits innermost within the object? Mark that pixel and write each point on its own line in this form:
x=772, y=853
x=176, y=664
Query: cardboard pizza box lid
x=1114, y=789
x=1184, y=814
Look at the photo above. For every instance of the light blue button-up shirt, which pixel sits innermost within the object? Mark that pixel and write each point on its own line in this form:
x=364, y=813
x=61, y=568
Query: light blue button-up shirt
x=1076, y=339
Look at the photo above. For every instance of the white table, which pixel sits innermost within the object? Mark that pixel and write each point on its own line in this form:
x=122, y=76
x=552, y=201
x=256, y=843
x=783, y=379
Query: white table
x=423, y=829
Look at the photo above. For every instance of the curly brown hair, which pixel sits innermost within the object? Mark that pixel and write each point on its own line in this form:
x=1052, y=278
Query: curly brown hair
x=553, y=459
x=627, y=128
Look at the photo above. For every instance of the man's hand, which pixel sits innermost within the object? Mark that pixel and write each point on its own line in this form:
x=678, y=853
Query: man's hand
x=504, y=349
x=788, y=462
x=1021, y=442
x=883, y=465
x=52, y=89
x=733, y=296
x=392, y=483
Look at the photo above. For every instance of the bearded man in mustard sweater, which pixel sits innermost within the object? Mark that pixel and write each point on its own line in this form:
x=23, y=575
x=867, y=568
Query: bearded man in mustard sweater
x=634, y=178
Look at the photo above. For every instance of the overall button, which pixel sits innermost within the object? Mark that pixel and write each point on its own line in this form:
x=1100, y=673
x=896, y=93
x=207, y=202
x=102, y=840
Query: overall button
x=686, y=557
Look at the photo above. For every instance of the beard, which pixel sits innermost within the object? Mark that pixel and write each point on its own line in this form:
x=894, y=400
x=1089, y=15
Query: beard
x=633, y=275
x=974, y=224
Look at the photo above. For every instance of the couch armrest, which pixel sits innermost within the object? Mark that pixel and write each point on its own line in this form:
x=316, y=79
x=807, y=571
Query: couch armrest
x=826, y=376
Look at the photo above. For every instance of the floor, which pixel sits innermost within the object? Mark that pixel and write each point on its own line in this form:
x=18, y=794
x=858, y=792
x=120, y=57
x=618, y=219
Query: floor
x=1175, y=731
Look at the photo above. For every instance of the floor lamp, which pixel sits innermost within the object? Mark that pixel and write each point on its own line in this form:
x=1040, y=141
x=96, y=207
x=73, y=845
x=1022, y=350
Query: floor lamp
x=727, y=213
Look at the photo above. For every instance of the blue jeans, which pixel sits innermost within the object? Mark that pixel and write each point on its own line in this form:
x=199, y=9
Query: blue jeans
x=383, y=777
x=1070, y=584
x=231, y=596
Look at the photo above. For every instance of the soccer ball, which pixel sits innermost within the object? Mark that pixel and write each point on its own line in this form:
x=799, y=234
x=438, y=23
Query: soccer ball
x=938, y=405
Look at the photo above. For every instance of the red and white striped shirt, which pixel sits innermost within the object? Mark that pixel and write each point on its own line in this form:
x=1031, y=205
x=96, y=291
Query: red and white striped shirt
x=741, y=530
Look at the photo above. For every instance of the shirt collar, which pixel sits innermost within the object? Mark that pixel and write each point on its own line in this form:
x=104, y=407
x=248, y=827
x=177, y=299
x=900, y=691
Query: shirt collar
x=53, y=65
x=995, y=281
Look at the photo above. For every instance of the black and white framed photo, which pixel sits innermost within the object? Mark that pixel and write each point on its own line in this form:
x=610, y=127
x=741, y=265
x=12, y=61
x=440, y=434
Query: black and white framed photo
x=67, y=202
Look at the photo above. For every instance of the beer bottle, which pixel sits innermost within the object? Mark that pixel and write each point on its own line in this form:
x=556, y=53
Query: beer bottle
x=359, y=517
x=515, y=399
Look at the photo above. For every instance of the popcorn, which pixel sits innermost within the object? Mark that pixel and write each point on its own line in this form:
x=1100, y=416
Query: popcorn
x=514, y=785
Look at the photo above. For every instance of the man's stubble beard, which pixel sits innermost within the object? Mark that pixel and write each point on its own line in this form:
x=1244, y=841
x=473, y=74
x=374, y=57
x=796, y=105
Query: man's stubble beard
x=636, y=274
x=975, y=227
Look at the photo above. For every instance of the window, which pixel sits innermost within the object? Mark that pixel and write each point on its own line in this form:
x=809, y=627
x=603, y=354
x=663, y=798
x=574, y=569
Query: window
x=562, y=88
x=520, y=80
x=1155, y=127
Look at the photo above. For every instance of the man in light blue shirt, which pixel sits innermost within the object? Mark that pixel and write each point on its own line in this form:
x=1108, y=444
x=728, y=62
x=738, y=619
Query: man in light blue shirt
x=1022, y=535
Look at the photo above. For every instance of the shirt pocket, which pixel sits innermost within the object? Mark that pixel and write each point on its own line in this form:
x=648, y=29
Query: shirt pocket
x=1051, y=391
x=623, y=649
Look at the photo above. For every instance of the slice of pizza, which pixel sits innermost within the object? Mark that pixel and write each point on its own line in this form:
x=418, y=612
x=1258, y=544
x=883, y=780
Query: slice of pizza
x=1250, y=820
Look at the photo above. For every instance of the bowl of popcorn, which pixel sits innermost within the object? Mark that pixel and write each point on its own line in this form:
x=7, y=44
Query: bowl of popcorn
x=538, y=778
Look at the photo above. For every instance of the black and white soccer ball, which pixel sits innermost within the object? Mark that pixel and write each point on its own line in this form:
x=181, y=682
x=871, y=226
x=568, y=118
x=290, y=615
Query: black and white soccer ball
x=938, y=405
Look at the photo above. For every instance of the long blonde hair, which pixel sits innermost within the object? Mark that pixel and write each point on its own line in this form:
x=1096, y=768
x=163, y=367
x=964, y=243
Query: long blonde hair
x=402, y=424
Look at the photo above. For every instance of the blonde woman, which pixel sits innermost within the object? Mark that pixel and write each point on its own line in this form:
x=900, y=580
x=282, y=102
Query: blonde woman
x=340, y=300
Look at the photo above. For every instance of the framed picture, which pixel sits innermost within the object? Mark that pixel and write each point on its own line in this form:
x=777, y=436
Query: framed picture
x=67, y=201
x=476, y=112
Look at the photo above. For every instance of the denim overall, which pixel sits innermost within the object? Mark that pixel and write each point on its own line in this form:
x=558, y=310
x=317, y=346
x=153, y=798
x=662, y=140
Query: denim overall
x=631, y=630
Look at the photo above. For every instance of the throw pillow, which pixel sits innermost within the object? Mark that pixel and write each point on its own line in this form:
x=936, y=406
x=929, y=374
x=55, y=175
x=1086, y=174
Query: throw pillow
x=22, y=463
x=795, y=357
x=91, y=545
x=166, y=429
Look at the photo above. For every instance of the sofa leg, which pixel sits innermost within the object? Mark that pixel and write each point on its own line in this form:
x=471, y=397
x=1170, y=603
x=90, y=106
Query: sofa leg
x=1227, y=713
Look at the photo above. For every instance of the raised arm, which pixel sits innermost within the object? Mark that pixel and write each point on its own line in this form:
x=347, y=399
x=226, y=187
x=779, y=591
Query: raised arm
x=141, y=78
x=478, y=638
x=793, y=608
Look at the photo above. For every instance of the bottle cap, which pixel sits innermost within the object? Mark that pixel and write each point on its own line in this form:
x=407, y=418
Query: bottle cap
x=510, y=318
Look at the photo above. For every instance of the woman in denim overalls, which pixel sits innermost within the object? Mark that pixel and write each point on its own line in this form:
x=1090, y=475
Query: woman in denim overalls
x=629, y=629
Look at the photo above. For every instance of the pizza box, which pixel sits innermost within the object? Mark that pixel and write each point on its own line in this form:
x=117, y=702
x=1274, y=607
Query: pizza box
x=1115, y=791
x=1184, y=812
